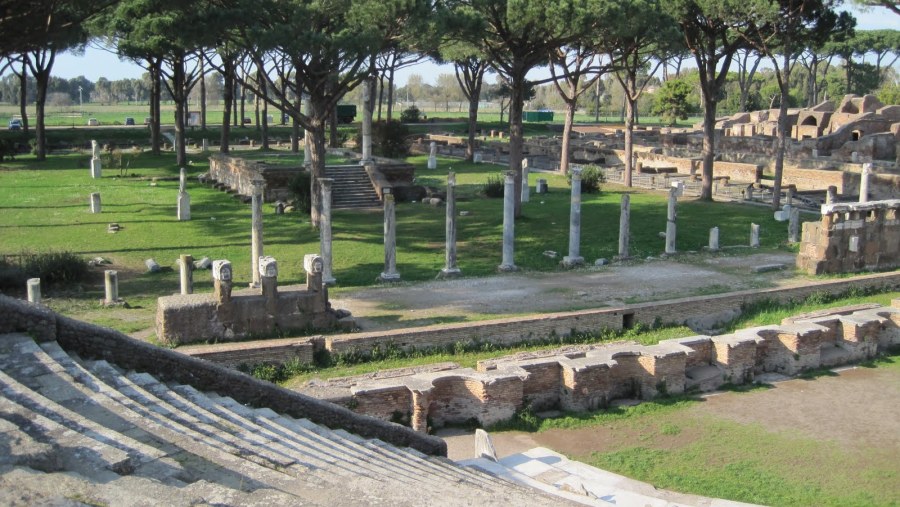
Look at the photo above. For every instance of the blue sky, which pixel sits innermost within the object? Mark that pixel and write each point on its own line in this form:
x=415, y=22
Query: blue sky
x=95, y=63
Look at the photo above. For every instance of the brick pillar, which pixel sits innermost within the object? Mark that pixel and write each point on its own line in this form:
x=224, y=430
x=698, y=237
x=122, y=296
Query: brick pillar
x=420, y=402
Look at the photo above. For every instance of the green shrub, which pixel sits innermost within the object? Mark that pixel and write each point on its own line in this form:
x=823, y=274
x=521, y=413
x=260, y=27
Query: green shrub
x=389, y=139
x=53, y=268
x=411, y=115
x=494, y=186
x=592, y=179
x=299, y=188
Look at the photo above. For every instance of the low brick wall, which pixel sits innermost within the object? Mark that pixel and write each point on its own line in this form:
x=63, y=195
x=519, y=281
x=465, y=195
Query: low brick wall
x=237, y=174
x=91, y=341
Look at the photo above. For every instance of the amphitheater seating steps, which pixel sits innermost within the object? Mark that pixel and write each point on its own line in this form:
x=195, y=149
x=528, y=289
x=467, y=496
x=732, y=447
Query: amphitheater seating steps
x=88, y=430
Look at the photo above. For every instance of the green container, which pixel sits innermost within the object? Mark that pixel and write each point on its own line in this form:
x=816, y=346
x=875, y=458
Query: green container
x=346, y=113
x=537, y=116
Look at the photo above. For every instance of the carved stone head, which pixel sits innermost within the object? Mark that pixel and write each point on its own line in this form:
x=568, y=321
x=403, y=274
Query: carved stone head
x=268, y=267
x=221, y=270
x=313, y=263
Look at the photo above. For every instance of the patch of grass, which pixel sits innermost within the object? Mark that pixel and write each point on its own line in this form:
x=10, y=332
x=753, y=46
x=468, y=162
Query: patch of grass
x=769, y=312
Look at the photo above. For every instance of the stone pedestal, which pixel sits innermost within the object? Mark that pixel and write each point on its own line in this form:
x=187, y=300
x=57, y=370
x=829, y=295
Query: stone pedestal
x=574, y=258
x=205, y=145
x=450, y=268
x=794, y=226
x=525, y=188
x=509, y=222
x=222, y=282
x=34, y=290
x=541, y=186
x=670, y=221
x=714, y=239
x=625, y=227
x=864, y=182
x=831, y=195
x=432, y=156
x=390, y=273
x=186, y=273
x=325, y=238
x=256, y=232
x=111, y=286
x=754, y=235
x=95, y=202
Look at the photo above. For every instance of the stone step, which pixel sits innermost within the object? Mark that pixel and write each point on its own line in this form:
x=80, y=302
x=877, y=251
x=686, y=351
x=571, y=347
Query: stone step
x=200, y=429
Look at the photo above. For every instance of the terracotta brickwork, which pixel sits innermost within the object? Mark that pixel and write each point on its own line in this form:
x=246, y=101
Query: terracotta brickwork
x=594, y=376
x=851, y=238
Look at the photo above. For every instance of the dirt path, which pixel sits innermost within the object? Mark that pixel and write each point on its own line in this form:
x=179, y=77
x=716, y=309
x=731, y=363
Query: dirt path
x=426, y=303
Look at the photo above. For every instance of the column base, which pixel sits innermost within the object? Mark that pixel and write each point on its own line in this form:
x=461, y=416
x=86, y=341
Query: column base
x=506, y=268
x=388, y=277
x=572, y=262
x=449, y=273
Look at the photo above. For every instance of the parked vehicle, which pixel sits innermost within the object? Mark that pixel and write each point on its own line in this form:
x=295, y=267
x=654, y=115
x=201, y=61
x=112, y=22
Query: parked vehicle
x=129, y=121
x=15, y=124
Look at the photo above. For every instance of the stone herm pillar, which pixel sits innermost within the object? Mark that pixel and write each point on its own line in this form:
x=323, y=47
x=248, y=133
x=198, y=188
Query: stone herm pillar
x=111, y=284
x=714, y=239
x=794, y=226
x=222, y=280
x=325, y=237
x=432, y=156
x=314, y=266
x=864, y=182
x=186, y=273
x=525, y=188
x=368, y=105
x=256, y=232
x=96, y=165
x=390, y=273
x=509, y=222
x=95, y=202
x=450, y=270
x=34, y=290
x=268, y=279
x=831, y=195
x=624, y=226
x=670, y=221
x=754, y=235
x=574, y=258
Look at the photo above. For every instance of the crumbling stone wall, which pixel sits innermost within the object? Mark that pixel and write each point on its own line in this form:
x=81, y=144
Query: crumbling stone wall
x=851, y=238
x=603, y=373
x=238, y=174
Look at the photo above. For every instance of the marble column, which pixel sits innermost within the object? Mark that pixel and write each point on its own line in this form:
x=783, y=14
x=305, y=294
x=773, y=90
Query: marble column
x=222, y=282
x=670, y=221
x=714, y=239
x=450, y=270
x=184, y=199
x=96, y=165
x=325, y=238
x=625, y=226
x=526, y=190
x=754, y=235
x=432, y=156
x=186, y=273
x=205, y=144
x=34, y=290
x=831, y=195
x=864, y=182
x=111, y=286
x=390, y=273
x=794, y=226
x=95, y=202
x=256, y=233
x=368, y=96
x=509, y=222
x=574, y=258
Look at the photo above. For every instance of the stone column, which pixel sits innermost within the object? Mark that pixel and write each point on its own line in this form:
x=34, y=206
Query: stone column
x=574, y=258
x=325, y=231
x=509, y=222
x=420, y=402
x=268, y=279
x=525, y=188
x=368, y=92
x=714, y=239
x=390, y=273
x=221, y=273
x=831, y=195
x=186, y=273
x=789, y=199
x=450, y=268
x=670, y=222
x=864, y=182
x=95, y=202
x=624, y=226
x=96, y=165
x=477, y=157
x=205, y=144
x=111, y=284
x=256, y=233
x=432, y=156
x=794, y=226
x=307, y=140
x=34, y=290
x=184, y=200
x=754, y=235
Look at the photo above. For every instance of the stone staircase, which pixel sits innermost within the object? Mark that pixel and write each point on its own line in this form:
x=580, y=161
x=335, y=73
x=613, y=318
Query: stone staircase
x=352, y=188
x=89, y=431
